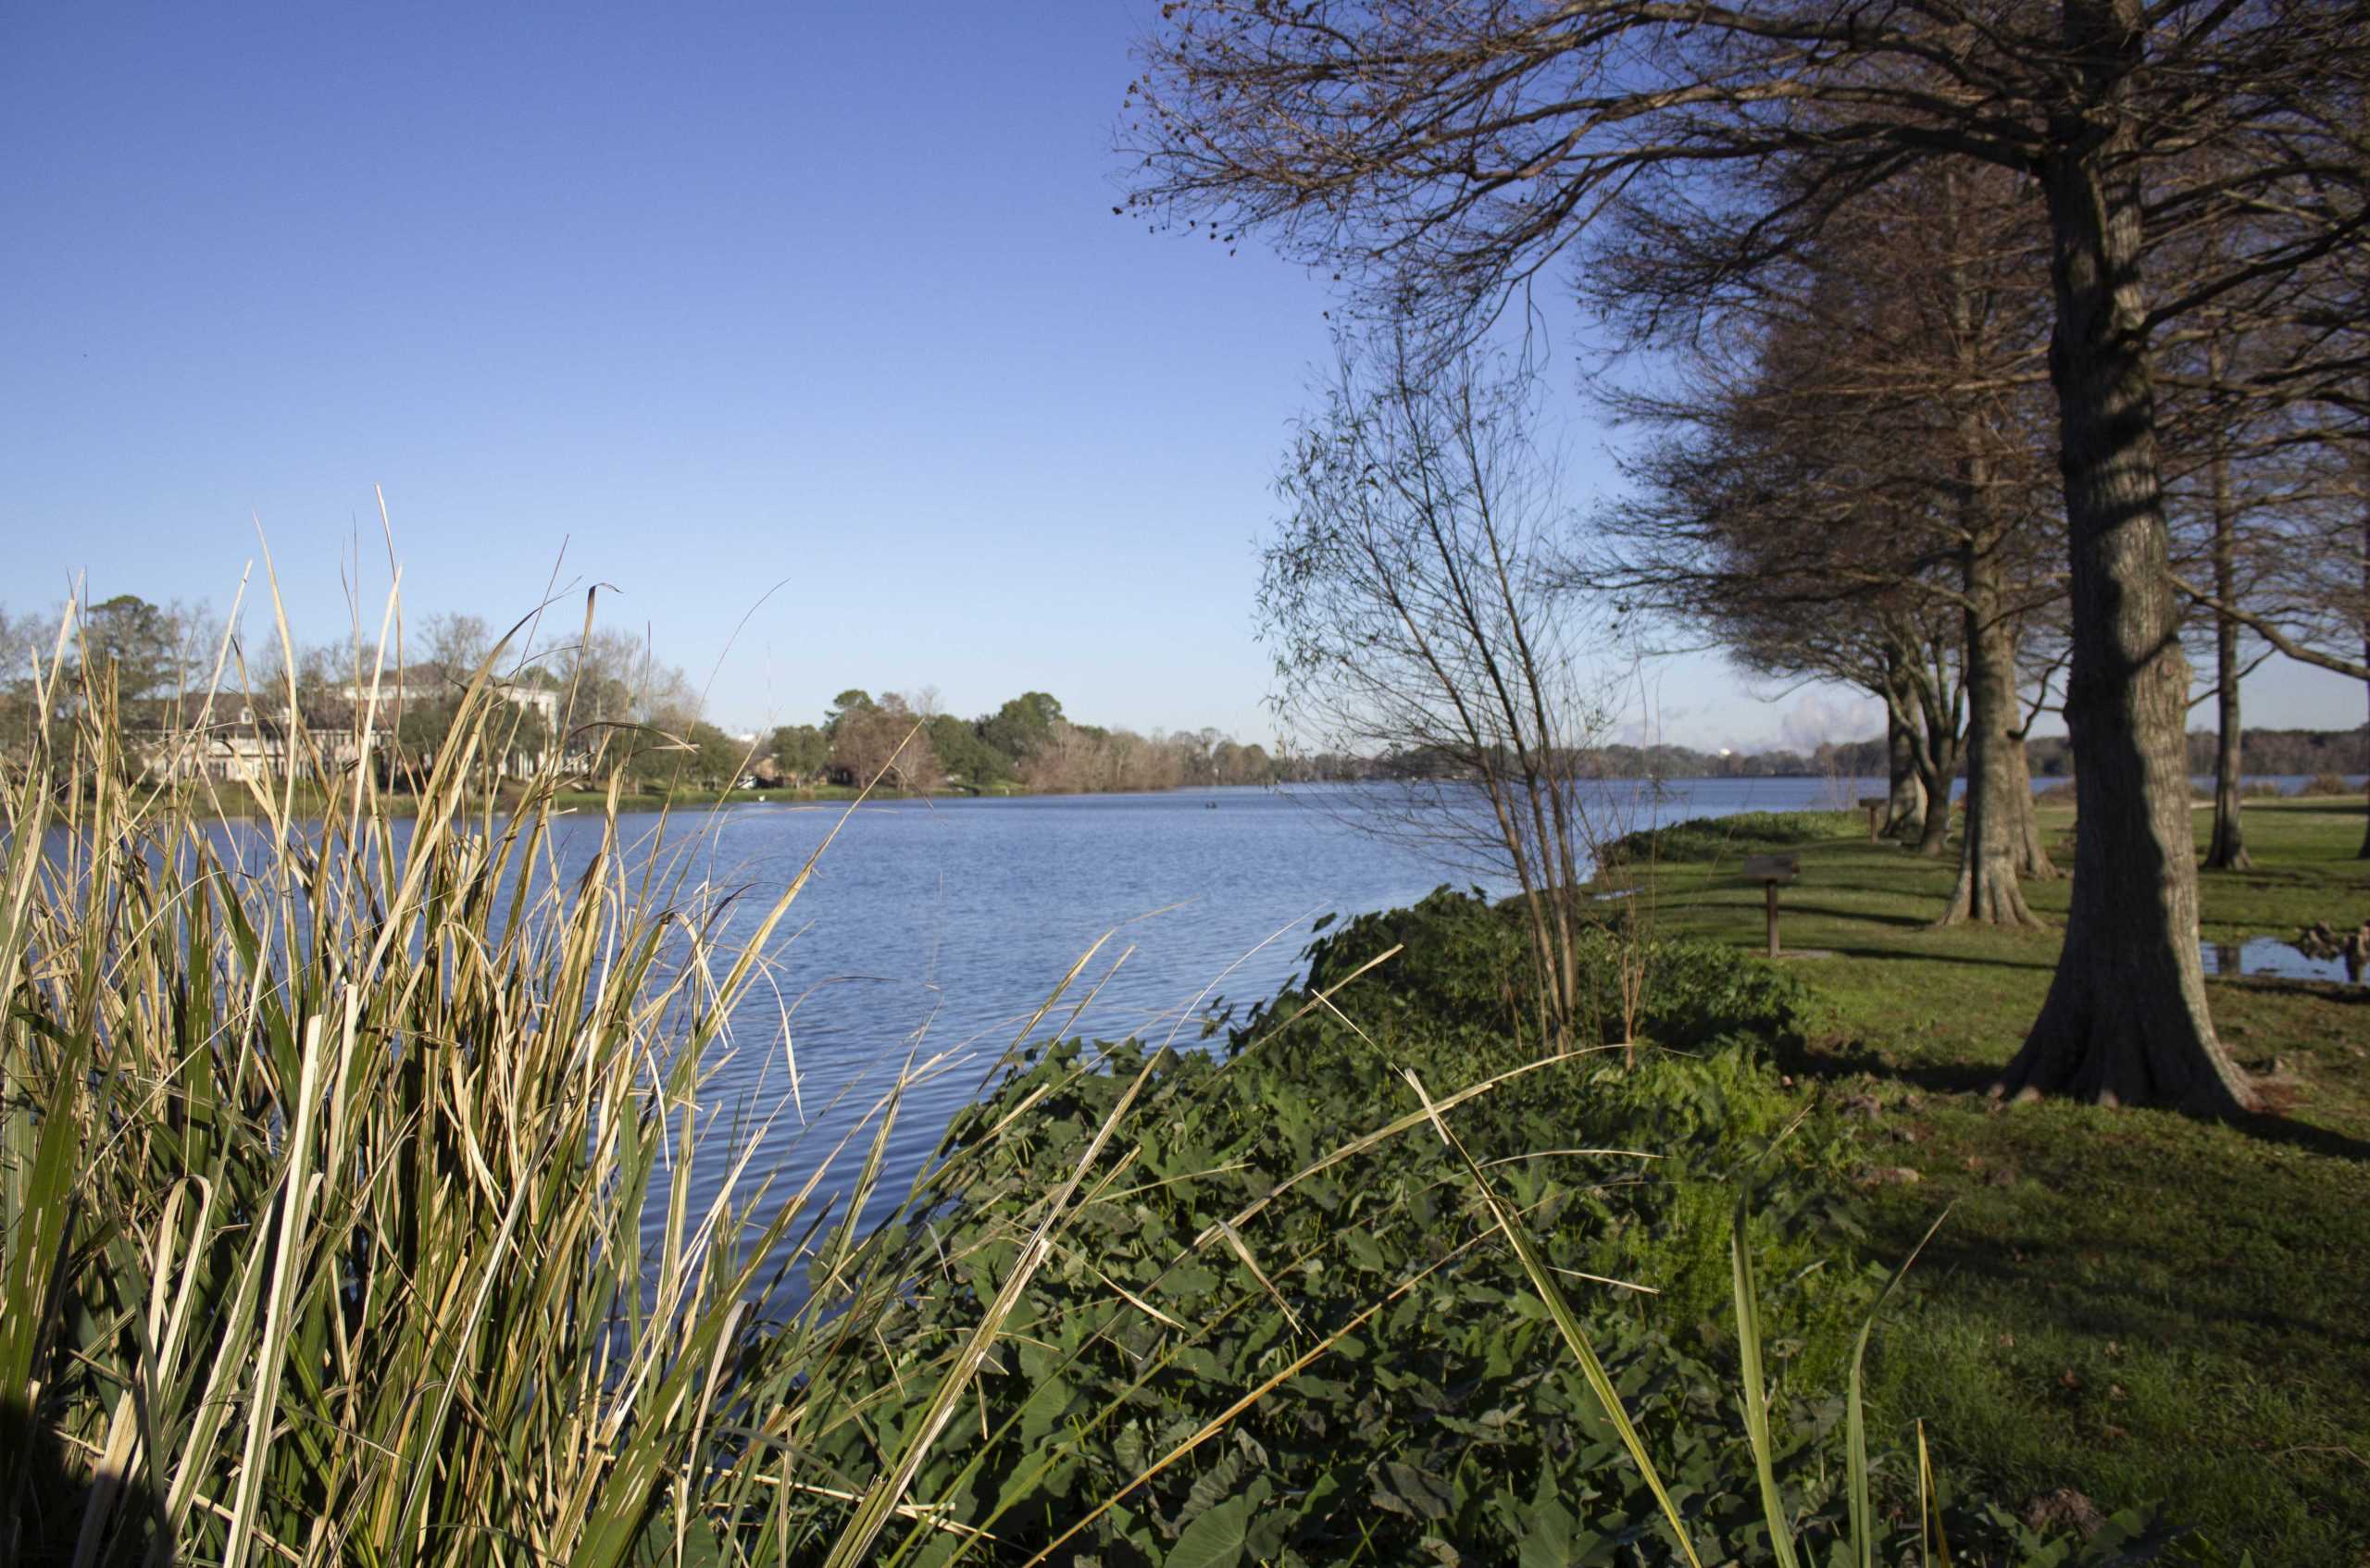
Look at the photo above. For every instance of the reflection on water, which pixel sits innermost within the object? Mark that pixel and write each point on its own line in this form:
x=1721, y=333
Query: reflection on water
x=2268, y=955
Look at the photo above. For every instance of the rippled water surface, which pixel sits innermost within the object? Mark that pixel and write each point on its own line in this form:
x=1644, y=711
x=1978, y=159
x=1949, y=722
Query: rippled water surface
x=932, y=931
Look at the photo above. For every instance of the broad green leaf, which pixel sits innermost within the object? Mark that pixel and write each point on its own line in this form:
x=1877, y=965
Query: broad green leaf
x=1215, y=1538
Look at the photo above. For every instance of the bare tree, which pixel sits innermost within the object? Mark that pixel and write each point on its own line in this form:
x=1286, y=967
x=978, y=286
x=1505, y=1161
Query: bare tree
x=2229, y=481
x=2309, y=598
x=1410, y=598
x=1443, y=154
x=25, y=640
x=884, y=739
x=456, y=644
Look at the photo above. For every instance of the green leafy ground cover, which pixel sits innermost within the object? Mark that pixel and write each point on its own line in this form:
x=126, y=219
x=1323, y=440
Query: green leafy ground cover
x=2124, y=1302
x=1267, y=1348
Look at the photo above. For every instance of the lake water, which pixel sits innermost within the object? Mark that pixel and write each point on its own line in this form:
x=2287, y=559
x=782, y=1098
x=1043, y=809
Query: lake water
x=933, y=931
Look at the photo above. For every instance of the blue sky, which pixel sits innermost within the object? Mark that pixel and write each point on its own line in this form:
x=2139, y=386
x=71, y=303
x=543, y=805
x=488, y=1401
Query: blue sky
x=719, y=297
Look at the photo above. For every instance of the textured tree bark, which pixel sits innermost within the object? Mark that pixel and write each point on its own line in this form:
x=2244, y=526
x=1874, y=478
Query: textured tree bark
x=2126, y=1020
x=1905, y=809
x=2228, y=849
x=1936, y=783
x=2033, y=864
x=1987, y=891
x=2361, y=461
x=1934, y=756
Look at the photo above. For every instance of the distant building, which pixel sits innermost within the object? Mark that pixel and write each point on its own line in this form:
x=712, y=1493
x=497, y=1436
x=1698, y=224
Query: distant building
x=229, y=737
x=430, y=683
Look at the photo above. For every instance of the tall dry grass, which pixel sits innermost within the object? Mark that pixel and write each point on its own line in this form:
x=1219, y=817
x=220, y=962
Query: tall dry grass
x=347, y=1189
x=328, y=1150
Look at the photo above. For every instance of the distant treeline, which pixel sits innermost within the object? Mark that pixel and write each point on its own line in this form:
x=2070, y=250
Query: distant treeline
x=1614, y=762
x=2301, y=752
x=1028, y=743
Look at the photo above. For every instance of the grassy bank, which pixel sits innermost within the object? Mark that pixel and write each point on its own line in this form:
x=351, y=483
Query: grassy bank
x=2128, y=1304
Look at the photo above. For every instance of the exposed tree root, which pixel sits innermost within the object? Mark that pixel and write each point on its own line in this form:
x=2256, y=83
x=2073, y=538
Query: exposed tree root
x=2228, y=850
x=1987, y=897
x=2147, y=1045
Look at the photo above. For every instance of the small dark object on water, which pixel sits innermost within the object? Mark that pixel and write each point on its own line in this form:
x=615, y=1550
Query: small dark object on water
x=2317, y=941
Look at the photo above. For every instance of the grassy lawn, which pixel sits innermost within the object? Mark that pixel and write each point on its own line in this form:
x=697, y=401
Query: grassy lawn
x=2124, y=1302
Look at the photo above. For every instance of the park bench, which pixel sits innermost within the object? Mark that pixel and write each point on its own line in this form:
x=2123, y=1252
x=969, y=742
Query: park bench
x=1772, y=871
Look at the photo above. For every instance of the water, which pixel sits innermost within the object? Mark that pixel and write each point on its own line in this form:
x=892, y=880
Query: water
x=933, y=931
x=2268, y=955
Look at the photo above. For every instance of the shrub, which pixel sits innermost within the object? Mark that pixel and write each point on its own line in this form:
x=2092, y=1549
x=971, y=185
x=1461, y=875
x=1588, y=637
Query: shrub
x=2325, y=784
x=1718, y=838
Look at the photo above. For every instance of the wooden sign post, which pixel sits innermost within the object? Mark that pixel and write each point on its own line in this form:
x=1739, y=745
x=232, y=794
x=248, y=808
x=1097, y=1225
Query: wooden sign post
x=1770, y=870
x=1875, y=805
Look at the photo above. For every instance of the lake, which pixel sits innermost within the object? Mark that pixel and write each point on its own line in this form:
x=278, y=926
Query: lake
x=933, y=931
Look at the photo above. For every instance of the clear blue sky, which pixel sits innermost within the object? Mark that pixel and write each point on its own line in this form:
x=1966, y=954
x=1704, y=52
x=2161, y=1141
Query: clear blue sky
x=720, y=296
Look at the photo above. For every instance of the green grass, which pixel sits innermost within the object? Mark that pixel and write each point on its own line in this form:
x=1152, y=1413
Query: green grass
x=2126, y=1302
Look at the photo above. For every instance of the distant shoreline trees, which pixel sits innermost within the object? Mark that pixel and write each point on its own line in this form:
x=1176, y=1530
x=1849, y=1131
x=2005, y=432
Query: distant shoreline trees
x=1028, y=743
x=159, y=657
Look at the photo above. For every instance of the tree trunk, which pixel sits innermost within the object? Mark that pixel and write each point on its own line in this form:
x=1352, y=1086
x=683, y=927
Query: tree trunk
x=1930, y=708
x=2228, y=850
x=1934, y=757
x=1937, y=780
x=2126, y=1019
x=2365, y=853
x=2033, y=863
x=1987, y=891
x=1905, y=809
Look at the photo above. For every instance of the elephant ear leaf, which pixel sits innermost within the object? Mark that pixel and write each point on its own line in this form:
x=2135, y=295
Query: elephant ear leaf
x=1215, y=1538
x=1548, y=1532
